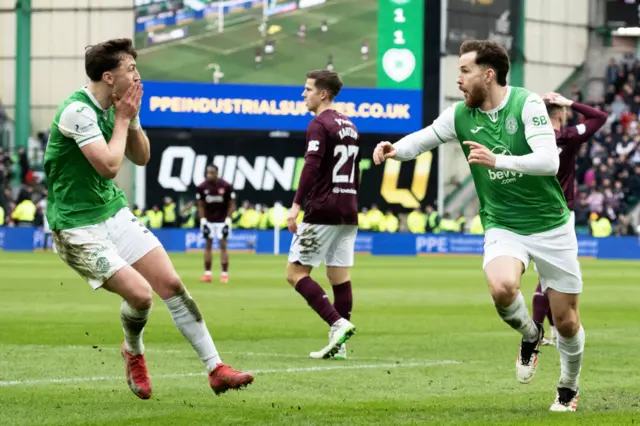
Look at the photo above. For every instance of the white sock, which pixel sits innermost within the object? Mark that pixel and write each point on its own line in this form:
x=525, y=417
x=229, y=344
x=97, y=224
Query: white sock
x=188, y=319
x=571, y=350
x=517, y=316
x=133, y=322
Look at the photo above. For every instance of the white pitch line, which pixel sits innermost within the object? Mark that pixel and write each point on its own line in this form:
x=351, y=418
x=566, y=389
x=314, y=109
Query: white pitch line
x=359, y=67
x=152, y=350
x=68, y=380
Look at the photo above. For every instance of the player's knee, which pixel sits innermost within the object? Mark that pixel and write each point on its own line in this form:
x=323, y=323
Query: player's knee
x=337, y=276
x=170, y=286
x=294, y=274
x=504, y=289
x=141, y=297
x=566, y=323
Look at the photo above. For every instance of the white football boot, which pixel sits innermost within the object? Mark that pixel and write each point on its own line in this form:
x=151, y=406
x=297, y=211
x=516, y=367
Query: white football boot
x=527, y=361
x=566, y=401
x=339, y=333
x=341, y=354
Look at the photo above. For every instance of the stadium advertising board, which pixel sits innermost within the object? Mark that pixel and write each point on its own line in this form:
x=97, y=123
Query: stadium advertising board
x=382, y=244
x=623, y=13
x=479, y=19
x=266, y=170
x=241, y=64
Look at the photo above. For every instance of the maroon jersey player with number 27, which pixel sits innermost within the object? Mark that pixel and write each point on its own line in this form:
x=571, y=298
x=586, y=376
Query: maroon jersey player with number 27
x=568, y=140
x=328, y=194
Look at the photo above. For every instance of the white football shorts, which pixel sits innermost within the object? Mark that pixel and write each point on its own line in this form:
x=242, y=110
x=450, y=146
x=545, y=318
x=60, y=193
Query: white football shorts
x=315, y=243
x=215, y=230
x=97, y=252
x=554, y=253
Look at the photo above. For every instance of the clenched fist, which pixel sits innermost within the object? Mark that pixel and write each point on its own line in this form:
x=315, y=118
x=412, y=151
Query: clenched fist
x=383, y=151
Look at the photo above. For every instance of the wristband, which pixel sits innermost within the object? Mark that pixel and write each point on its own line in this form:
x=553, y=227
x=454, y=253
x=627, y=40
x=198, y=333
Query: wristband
x=134, y=124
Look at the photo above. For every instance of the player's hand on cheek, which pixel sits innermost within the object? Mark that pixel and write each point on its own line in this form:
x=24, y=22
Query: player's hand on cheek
x=480, y=154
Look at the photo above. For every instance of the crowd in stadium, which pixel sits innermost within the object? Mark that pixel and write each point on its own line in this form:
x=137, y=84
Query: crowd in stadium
x=608, y=174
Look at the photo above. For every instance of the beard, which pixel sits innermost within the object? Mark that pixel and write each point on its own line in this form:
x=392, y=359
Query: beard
x=476, y=97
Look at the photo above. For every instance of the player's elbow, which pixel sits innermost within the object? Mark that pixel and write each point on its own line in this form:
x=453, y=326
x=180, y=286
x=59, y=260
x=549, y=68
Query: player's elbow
x=107, y=172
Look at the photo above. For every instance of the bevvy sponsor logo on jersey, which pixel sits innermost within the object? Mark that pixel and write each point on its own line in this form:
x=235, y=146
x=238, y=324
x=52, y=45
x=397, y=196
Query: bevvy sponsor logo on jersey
x=504, y=176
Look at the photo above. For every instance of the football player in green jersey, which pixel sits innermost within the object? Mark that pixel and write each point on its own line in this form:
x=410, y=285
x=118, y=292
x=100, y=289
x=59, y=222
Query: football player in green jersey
x=94, y=231
x=507, y=137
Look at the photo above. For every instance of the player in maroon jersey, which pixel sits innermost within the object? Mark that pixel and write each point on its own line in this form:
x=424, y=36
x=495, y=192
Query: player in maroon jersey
x=328, y=195
x=568, y=140
x=216, y=204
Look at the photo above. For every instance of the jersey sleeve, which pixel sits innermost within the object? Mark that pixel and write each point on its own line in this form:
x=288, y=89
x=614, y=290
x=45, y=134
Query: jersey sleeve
x=80, y=122
x=536, y=119
x=229, y=193
x=316, y=139
x=541, y=138
x=444, y=126
x=442, y=130
x=199, y=193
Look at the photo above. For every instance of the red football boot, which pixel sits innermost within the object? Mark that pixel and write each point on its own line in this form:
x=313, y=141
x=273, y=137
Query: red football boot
x=137, y=374
x=224, y=378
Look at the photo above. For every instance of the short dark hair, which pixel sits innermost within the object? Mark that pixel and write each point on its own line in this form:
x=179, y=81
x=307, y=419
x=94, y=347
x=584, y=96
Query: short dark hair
x=213, y=166
x=327, y=80
x=489, y=54
x=106, y=56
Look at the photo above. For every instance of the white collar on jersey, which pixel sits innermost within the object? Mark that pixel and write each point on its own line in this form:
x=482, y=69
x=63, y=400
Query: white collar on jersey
x=93, y=99
x=493, y=113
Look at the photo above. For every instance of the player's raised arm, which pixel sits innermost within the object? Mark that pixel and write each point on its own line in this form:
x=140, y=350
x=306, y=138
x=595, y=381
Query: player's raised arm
x=544, y=160
x=409, y=147
x=594, y=119
x=82, y=126
x=138, y=149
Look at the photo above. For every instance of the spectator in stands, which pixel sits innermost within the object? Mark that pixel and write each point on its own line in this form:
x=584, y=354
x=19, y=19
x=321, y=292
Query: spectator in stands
x=612, y=72
x=624, y=228
x=169, y=213
x=24, y=213
x=376, y=218
x=595, y=200
x=581, y=209
x=391, y=223
x=23, y=161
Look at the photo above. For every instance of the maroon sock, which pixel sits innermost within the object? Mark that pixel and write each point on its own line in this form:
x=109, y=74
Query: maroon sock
x=225, y=266
x=207, y=265
x=317, y=299
x=550, y=317
x=540, y=305
x=343, y=300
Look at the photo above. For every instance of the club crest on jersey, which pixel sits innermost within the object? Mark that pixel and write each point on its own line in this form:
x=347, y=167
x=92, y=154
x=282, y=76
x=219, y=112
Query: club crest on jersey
x=511, y=125
x=221, y=191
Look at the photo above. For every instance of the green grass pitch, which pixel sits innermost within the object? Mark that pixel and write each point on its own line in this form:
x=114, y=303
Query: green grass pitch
x=430, y=349
x=190, y=59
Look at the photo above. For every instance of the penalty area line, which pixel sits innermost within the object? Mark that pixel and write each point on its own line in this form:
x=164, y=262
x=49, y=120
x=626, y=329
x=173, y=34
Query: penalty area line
x=71, y=380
